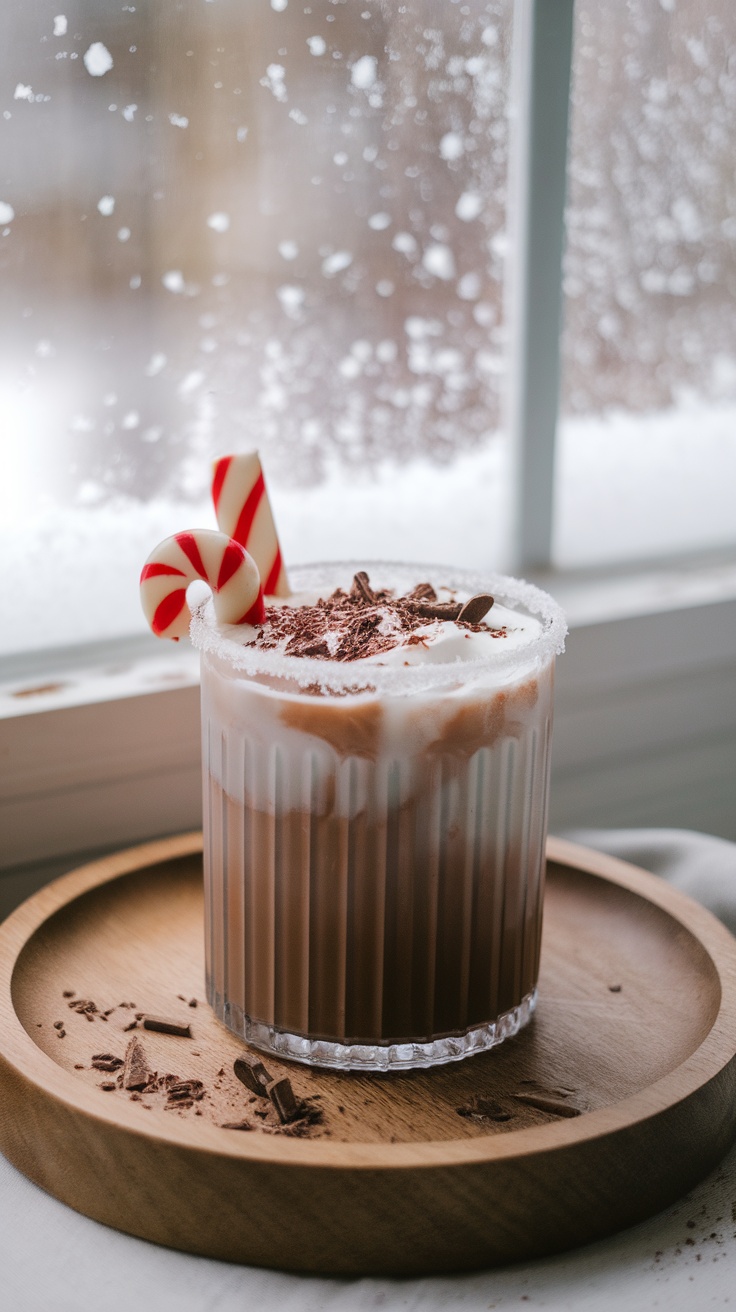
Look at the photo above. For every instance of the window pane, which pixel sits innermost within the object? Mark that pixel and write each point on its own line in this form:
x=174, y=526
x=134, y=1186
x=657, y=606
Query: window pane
x=647, y=459
x=238, y=224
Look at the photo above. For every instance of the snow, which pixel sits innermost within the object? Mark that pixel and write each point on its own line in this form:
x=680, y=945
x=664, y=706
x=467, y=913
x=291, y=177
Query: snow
x=439, y=260
x=291, y=298
x=364, y=72
x=405, y=243
x=274, y=81
x=97, y=59
x=336, y=262
x=7, y=213
x=82, y=564
x=632, y=485
x=219, y=222
x=451, y=146
x=173, y=281
x=469, y=286
x=628, y=485
x=190, y=382
x=469, y=206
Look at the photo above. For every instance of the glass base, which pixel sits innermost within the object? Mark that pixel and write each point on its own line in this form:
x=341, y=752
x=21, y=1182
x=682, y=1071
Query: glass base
x=374, y=1056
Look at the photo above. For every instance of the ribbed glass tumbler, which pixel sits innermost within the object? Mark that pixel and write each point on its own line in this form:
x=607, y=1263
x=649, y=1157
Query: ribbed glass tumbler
x=374, y=841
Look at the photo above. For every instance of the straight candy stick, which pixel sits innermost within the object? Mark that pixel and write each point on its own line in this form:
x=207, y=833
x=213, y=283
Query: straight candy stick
x=244, y=513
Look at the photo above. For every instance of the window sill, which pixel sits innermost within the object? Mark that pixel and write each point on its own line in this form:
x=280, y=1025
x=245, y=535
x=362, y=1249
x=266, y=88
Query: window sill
x=645, y=714
x=105, y=752
x=100, y=754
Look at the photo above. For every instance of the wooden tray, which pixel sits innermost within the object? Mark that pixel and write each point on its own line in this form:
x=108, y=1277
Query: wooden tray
x=407, y=1173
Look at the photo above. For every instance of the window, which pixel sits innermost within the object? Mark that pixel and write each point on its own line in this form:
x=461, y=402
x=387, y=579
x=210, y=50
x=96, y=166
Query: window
x=647, y=450
x=258, y=225
x=233, y=225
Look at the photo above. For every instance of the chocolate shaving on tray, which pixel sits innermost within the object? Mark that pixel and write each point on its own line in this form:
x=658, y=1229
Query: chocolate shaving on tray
x=253, y=1074
x=185, y=1092
x=136, y=1073
x=282, y=1096
x=480, y=1108
x=85, y=1007
x=105, y=1061
x=165, y=1025
x=542, y=1103
x=349, y=626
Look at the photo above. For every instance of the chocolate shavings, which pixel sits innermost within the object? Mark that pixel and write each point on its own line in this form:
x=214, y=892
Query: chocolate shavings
x=364, y=622
x=476, y=608
x=136, y=1073
x=164, y=1025
x=362, y=589
x=253, y=1074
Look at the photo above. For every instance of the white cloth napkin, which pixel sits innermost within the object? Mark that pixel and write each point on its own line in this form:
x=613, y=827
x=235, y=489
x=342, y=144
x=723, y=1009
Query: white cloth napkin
x=53, y=1260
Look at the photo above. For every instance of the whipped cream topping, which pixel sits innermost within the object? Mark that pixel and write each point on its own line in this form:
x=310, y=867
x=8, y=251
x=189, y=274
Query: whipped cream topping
x=382, y=627
x=445, y=640
x=404, y=631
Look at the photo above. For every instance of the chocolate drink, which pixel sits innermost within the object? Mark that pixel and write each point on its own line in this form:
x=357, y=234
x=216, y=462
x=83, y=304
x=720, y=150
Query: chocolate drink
x=376, y=777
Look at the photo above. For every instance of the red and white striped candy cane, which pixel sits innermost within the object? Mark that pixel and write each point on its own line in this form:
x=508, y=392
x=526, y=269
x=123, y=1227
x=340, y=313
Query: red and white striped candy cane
x=244, y=512
x=200, y=553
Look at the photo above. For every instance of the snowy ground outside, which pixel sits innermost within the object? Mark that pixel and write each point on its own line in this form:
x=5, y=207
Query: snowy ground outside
x=628, y=486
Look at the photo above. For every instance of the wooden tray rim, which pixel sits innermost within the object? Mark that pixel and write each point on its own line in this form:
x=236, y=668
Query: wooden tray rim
x=713, y=1055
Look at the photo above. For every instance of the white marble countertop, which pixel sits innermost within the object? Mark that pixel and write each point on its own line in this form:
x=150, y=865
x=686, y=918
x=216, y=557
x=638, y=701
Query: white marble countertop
x=682, y=1260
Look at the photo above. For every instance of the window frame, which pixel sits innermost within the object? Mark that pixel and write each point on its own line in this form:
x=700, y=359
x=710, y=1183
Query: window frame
x=540, y=100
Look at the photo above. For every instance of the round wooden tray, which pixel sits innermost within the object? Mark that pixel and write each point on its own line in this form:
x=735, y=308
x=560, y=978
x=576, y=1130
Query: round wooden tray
x=616, y=1099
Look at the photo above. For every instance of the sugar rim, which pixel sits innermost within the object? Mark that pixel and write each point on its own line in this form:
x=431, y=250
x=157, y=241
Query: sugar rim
x=335, y=676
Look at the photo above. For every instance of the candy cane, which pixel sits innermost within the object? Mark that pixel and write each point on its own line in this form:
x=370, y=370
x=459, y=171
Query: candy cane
x=205, y=554
x=244, y=512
